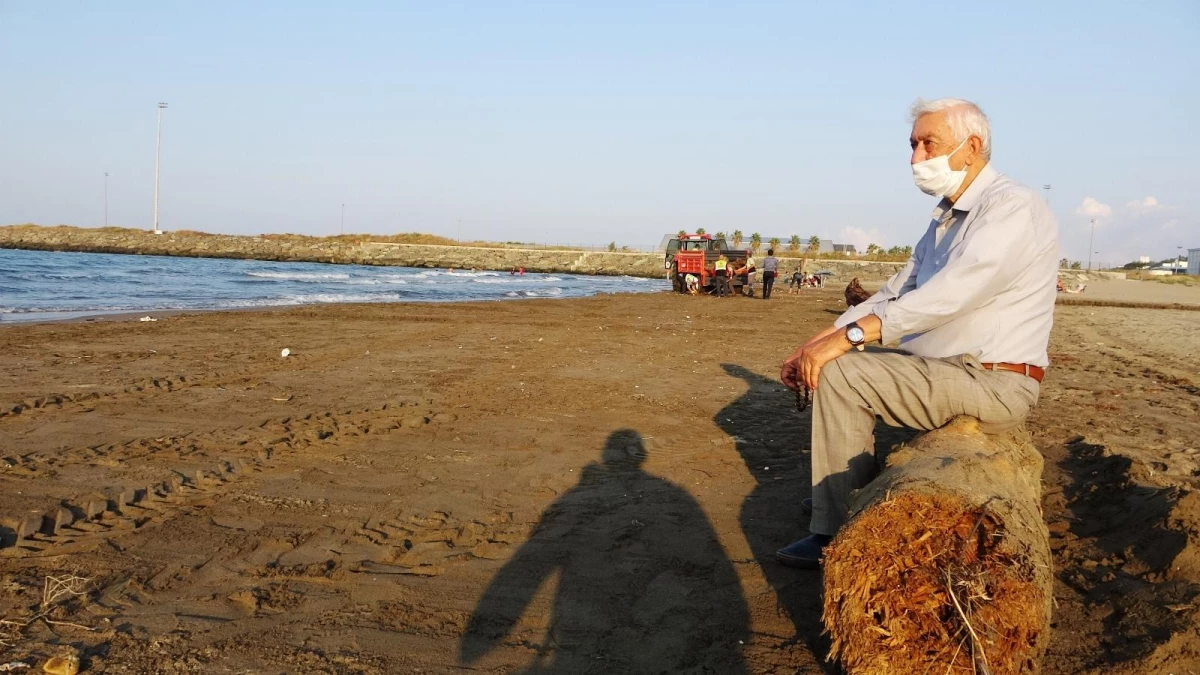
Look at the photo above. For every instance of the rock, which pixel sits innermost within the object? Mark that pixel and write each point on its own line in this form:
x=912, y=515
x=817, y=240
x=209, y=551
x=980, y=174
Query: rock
x=67, y=664
x=414, y=422
x=246, y=600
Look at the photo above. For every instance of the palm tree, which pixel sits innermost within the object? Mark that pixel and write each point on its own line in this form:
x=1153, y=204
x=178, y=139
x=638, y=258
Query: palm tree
x=720, y=235
x=700, y=230
x=682, y=234
x=774, y=243
x=755, y=241
x=814, y=244
x=737, y=238
x=794, y=243
x=874, y=249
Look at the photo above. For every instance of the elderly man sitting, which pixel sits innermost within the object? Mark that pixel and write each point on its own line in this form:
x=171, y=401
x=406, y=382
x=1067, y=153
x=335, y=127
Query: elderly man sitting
x=970, y=312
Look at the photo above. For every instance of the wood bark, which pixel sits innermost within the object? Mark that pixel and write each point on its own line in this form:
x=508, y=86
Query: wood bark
x=944, y=565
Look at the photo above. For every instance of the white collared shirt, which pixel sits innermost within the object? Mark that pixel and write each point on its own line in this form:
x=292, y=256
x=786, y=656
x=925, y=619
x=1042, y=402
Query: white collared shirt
x=981, y=281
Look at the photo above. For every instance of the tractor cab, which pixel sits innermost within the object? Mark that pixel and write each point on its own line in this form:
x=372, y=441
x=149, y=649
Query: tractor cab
x=692, y=242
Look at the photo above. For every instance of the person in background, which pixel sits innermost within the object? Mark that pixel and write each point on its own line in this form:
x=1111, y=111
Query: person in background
x=693, y=284
x=751, y=270
x=796, y=283
x=721, y=270
x=770, y=266
x=737, y=267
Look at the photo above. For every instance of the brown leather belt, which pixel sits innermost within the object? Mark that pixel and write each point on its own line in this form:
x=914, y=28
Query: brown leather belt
x=1022, y=368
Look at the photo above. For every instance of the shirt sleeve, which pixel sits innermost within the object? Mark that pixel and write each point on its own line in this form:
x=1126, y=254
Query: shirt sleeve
x=901, y=282
x=992, y=255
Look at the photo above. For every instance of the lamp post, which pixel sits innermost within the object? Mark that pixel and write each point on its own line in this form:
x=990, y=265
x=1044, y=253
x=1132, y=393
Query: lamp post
x=1091, y=240
x=1178, y=259
x=106, y=199
x=157, y=161
x=1046, y=187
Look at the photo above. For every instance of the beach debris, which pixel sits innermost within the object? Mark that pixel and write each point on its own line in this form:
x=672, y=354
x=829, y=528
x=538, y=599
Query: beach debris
x=13, y=666
x=283, y=399
x=67, y=664
x=285, y=352
x=147, y=318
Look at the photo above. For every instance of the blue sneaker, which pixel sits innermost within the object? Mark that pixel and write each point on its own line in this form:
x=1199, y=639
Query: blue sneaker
x=804, y=554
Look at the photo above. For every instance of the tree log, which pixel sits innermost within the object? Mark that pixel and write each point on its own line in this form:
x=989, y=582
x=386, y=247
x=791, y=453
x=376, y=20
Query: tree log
x=944, y=565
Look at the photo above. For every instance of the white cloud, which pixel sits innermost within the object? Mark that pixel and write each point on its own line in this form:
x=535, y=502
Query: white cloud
x=861, y=238
x=1090, y=208
x=1170, y=224
x=1147, y=204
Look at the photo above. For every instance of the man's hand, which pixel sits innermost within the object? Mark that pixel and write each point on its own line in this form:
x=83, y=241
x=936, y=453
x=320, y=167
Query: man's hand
x=803, y=367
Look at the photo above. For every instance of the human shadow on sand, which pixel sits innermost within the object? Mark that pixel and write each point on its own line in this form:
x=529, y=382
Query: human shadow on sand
x=774, y=441
x=643, y=583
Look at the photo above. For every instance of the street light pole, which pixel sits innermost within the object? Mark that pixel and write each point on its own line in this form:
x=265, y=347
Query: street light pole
x=1046, y=187
x=1178, y=259
x=1091, y=239
x=106, y=199
x=157, y=161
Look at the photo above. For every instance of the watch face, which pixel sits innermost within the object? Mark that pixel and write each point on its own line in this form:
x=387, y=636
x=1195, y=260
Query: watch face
x=855, y=335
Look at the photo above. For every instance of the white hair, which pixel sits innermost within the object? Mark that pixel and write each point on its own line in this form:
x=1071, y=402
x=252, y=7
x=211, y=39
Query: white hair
x=965, y=119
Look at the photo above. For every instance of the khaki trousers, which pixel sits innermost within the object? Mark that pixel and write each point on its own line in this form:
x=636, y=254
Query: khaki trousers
x=904, y=391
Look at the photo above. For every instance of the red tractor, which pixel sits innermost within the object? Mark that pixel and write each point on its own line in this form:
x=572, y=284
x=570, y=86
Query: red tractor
x=697, y=254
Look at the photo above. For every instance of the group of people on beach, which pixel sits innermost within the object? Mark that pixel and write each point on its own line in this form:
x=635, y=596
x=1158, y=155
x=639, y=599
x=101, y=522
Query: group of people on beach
x=1062, y=288
x=724, y=271
x=803, y=280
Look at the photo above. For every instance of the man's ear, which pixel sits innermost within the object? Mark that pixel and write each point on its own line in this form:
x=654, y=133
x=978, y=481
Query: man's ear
x=976, y=146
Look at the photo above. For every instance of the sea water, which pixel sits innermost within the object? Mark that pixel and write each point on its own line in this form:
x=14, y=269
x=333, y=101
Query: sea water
x=41, y=286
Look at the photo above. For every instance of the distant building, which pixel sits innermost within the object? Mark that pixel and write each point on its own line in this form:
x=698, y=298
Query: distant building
x=1145, y=259
x=1193, y=261
x=1170, y=267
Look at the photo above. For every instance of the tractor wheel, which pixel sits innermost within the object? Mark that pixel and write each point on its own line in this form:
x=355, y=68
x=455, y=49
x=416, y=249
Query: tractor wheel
x=677, y=284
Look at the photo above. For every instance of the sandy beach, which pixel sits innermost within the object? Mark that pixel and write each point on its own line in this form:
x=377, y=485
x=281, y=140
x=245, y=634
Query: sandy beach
x=592, y=485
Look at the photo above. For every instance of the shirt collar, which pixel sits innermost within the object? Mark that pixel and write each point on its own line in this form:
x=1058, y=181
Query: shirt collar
x=971, y=196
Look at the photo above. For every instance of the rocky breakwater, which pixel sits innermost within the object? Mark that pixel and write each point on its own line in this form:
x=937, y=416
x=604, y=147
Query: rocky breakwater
x=348, y=251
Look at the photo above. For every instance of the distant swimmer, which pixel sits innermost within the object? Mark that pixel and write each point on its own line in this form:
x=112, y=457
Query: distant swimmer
x=450, y=271
x=520, y=271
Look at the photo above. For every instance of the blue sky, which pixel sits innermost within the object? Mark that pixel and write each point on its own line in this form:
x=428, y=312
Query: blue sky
x=591, y=122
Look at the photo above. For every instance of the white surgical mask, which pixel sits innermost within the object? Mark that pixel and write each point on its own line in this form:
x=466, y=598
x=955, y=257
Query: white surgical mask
x=935, y=177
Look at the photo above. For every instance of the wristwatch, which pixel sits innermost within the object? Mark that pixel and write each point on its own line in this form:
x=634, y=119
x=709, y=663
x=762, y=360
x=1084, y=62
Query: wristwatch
x=856, y=335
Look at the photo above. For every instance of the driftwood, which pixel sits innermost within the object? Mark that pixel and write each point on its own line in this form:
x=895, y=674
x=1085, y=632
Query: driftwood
x=944, y=565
